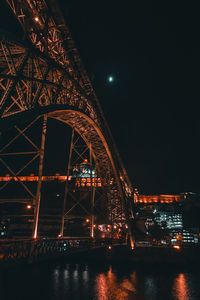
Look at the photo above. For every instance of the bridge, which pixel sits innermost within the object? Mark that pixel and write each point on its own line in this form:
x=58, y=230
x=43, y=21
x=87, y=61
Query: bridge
x=43, y=80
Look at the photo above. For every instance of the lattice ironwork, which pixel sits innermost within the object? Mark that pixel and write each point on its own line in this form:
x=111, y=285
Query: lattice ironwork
x=44, y=75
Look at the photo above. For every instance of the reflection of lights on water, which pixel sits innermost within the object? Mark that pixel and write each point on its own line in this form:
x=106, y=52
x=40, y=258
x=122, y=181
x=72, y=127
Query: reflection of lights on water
x=110, y=273
x=85, y=276
x=66, y=274
x=56, y=279
x=56, y=272
x=150, y=287
x=134, y=278
x=180, y=288
x=101, y=287
x=127, y=284
x=75, y=274
x=108, y=287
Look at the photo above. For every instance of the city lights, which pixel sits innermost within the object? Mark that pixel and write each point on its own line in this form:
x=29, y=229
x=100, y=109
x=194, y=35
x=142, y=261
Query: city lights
x=177, y=247
x=67, y=174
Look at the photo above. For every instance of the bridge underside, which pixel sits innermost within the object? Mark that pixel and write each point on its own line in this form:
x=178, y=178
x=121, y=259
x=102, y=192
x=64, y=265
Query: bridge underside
x=113, y=206
x=35, y=82
x=91, y=134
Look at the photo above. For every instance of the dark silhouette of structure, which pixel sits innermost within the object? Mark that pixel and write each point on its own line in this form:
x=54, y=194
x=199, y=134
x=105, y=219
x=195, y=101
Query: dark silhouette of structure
x=43, y=78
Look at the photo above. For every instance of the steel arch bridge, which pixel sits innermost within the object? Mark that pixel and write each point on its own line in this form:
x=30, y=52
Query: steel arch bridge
x=43, y=77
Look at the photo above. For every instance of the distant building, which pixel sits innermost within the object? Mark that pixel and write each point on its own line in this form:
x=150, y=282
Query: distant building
x=83, y=170
x=162, y=216
x=168, y=220
x=85, y=175
x=164, y=198
x=185, y=236
x=153, y=199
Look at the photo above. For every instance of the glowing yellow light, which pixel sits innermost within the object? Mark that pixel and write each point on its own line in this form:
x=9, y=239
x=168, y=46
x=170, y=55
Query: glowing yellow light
x=87, y=220
x=177, y=247
x=36, y=19
x=94, y=226
x=28, y=206
x=109, y=247
x=59, y=235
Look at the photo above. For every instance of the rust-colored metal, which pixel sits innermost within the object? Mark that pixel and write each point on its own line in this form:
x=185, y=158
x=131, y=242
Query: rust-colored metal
x=39, y=184
x=66, y=184
x=48, y=77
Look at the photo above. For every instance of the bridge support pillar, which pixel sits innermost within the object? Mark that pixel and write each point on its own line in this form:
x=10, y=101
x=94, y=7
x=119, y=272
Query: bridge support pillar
x=39, y=185
x=92, y=196
x=66, y=185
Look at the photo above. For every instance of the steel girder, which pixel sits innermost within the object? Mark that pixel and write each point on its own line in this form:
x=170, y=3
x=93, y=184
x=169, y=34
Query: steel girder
x=50, y=72
x=44, y=25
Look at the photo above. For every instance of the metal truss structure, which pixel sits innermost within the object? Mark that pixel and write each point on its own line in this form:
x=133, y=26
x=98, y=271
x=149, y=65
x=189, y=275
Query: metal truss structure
x=44, y=76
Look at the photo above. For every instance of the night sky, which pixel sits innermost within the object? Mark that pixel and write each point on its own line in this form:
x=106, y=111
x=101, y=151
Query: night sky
x=152, y=50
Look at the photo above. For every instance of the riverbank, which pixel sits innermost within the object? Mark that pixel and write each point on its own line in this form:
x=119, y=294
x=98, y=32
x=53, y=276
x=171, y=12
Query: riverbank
x=122, y=254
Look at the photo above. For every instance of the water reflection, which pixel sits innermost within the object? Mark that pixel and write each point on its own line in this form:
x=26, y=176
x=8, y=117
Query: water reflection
x=101, y=287
x=85, y=276
x=150, y=287
x=180, y=289
x=66, y=274
x=56, y=279
x=108, y=287
x=99, y=282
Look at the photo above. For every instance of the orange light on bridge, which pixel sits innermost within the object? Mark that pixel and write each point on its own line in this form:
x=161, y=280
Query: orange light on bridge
x=87, y=220
x=36, y=19
x=177, y=247
x=109, y=247
x=28, y=206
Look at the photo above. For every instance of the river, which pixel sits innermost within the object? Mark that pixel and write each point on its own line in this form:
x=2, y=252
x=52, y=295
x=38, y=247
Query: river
x=99, y=281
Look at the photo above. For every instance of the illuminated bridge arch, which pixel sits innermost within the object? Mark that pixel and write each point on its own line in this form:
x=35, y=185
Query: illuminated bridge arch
x=93, y=137
x=52, y=82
